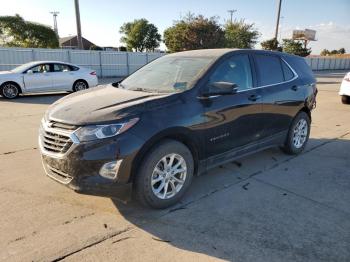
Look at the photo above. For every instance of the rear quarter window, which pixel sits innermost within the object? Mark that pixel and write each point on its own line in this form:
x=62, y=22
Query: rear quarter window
x=288, y=73
x=269, y=69
x=73, y=68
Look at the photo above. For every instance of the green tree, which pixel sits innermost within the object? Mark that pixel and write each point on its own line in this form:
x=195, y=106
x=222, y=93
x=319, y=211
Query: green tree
x=325, y=52
x=140, y=35
x=341, y=51
x=194, y=32
x=16, y=32
x=239, y=34
x=295, y=47
x=271, y=44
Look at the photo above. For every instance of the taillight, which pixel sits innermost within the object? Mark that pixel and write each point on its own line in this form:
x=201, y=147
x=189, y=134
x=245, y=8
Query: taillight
x=93, y=73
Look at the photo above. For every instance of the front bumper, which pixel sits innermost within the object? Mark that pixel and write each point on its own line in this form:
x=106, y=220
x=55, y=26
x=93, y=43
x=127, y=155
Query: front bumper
x=78, y=168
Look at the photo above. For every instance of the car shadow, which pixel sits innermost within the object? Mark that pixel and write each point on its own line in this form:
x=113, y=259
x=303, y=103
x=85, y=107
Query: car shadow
x=36, y=99
x=193, y=226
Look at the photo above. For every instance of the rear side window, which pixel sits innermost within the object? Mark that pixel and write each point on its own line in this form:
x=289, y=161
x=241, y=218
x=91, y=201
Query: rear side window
x=288, y=73
x=73, y=68
x=270, y=69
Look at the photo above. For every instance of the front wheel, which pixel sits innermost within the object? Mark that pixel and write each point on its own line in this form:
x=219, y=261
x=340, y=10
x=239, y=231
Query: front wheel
x=298, y=134
x=345, y=99
x=164, y=175
x=9, y=90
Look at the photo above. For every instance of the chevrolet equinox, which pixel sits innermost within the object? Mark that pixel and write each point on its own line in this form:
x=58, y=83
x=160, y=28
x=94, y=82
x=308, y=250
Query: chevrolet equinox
x=177, y=117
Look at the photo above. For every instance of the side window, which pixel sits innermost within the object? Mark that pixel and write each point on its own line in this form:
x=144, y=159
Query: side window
x=235, y=69
x=41, y=68
x=288, y=73
x=73, y=68
x=61, y=68
x=269, y=69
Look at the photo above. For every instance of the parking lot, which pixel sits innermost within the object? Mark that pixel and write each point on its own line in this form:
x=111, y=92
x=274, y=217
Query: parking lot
x=265, y=207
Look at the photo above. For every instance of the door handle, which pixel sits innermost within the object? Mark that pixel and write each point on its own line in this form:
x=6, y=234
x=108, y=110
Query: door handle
x=254, y=97
x=294, y=88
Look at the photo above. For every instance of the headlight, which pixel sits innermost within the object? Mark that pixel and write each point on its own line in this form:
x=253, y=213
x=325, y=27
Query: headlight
x=89, y=133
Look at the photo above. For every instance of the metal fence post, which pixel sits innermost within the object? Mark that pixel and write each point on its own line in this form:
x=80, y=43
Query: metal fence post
x=147, y=61
x=127, y=64
x=33, y=54
x=100, y=60
x=69, y=56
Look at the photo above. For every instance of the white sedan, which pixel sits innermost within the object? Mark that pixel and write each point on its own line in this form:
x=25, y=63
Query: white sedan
x=345, y=89
x=45, y=76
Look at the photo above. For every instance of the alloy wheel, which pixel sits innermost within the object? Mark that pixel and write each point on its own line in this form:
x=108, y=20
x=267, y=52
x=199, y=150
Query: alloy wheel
x=300, y=133
x=169, y=176
x=10, y=91
x=80, y=86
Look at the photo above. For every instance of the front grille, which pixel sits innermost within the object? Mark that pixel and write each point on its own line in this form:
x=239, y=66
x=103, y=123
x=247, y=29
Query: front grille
x=58, y=175
x=56, y=143
x=55, y=137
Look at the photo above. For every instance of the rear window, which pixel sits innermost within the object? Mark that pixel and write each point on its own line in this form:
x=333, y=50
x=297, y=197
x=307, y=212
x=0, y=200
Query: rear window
x=288, y=73
x=270, y=69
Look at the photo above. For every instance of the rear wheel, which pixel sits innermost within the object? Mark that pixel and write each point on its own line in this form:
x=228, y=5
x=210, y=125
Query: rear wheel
x=9, y=90
x=345, y=99
x=80, y=85
x=164, y=175
x=298, y=134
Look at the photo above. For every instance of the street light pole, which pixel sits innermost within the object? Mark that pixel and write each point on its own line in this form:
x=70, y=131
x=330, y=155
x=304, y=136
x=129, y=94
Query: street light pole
x=278, y=18
x=55, y=28
x=77, y=16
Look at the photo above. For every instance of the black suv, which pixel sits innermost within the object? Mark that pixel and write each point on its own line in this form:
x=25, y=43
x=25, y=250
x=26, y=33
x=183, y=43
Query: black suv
x=177, y=117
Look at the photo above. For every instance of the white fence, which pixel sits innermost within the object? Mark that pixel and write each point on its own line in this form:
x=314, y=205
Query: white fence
x=114, y=64
x=328, y=63
x=106, y=63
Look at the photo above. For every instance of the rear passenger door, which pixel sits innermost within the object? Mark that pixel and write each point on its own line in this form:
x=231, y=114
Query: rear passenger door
x=62, y=77
x=281, y=93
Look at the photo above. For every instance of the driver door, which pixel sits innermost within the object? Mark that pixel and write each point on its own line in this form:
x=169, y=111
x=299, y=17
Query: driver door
x=232, y=121
x=38, y=78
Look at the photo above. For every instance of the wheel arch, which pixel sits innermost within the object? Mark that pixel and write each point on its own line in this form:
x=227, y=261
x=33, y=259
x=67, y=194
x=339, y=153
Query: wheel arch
x=179, y=134
x=14, y=83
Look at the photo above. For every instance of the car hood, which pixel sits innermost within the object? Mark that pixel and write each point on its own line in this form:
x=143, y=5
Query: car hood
x=99, y=105
x=2, y=73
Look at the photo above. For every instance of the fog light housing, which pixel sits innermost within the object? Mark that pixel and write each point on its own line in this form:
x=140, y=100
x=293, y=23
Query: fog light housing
x=110, y=170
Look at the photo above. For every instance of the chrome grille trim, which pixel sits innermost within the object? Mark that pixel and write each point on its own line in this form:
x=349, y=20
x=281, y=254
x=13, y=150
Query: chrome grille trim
x=57, y=175
x=56, y=139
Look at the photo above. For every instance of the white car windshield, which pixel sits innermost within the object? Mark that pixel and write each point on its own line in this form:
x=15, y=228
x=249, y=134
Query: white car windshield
x=168, y=74
x=21, y=68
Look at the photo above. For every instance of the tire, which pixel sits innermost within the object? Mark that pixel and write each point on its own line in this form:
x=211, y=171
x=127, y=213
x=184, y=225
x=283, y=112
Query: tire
x=80, y=85
x=145, y=192
x=297, y=137
x=9, y=90
x=345, y=99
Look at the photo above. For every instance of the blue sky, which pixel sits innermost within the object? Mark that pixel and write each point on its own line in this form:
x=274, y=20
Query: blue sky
x=102, y=19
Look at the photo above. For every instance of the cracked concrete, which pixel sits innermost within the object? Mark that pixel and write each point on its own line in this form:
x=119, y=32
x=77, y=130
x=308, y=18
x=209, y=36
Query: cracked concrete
x=265, y=207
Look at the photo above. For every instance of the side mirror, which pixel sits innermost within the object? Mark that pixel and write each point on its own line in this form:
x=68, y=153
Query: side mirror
x=29, y=72
x=222, y=88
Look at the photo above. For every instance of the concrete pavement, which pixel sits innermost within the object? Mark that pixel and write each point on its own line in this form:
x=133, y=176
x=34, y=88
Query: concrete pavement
x=265, y=207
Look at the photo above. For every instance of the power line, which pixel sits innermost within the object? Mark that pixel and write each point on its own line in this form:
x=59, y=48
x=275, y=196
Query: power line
x=54, y=14
x=231, y=13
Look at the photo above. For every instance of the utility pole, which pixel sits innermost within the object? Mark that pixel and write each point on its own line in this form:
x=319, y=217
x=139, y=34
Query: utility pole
x=77, y=16
x=278, y=18
x=231, y=13
x=55, y=28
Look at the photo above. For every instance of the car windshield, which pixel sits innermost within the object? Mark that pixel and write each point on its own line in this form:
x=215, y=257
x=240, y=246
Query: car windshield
x=168, y=74
x=21, y=68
